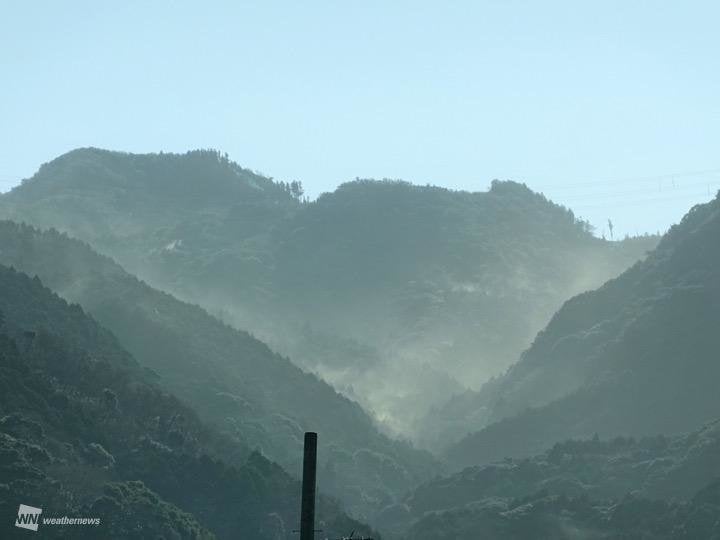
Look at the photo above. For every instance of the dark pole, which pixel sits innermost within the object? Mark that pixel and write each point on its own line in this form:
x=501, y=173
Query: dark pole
x=307, y=510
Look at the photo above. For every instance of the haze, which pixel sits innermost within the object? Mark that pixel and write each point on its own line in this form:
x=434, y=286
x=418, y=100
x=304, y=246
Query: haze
x=368, y=270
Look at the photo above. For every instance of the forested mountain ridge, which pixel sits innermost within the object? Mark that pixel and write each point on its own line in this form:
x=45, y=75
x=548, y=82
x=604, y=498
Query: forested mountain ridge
x=234, y=381
x=84, y=434
x=659, y=466
x=375, y=280
x=653, y=487
x=637, y=356
x=162, y=216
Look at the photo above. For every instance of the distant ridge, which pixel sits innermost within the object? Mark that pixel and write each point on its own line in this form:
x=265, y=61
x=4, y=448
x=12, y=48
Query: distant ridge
x=378, y=281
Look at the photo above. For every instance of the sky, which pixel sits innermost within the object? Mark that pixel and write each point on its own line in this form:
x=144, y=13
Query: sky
x=610, y=108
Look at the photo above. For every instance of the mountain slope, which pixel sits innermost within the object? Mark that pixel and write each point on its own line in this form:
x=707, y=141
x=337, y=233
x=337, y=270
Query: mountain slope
x=234, y=381
x=374, y=282
x=557, y=517
x=637, y=356
x=655, y=487
x=83, y=433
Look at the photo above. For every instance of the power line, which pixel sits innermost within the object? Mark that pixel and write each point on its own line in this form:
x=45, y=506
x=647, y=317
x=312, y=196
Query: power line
x=620, y=180
x=645, y=202
x=676, y=190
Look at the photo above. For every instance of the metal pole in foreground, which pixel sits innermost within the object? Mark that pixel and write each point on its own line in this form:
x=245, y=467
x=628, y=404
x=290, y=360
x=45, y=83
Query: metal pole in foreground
x=307, y=510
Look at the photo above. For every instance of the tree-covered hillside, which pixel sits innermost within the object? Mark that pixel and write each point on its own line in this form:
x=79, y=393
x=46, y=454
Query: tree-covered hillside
x=432, y=289
x=557, y=517
x=234, y=381
x=653, y=487
x=637, y=356
x=86, y=432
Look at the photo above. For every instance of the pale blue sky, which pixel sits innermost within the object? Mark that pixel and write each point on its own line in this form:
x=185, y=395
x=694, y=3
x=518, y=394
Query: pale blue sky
x=594, y=103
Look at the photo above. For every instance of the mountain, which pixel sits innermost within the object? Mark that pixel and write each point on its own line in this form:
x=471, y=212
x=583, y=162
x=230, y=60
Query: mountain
x=401, y=296
x=557, y=517
x=637, y=356
x=653, y=487
x=234, y=382
x=85, y=431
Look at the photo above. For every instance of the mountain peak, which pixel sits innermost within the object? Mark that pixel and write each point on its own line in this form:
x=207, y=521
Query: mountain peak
x=117, y=182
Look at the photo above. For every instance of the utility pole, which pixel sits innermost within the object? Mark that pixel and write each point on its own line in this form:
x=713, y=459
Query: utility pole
x=307, y=504
x=307, y=509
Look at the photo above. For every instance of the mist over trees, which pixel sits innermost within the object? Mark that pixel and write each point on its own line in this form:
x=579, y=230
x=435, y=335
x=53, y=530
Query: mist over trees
x=232, y=380
x=172, y=324
x=85, y=429
x=636, y=356
x=400, y=296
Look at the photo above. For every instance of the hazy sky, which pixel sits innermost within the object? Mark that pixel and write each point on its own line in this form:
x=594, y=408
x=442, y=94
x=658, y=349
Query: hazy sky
x=596, y=104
